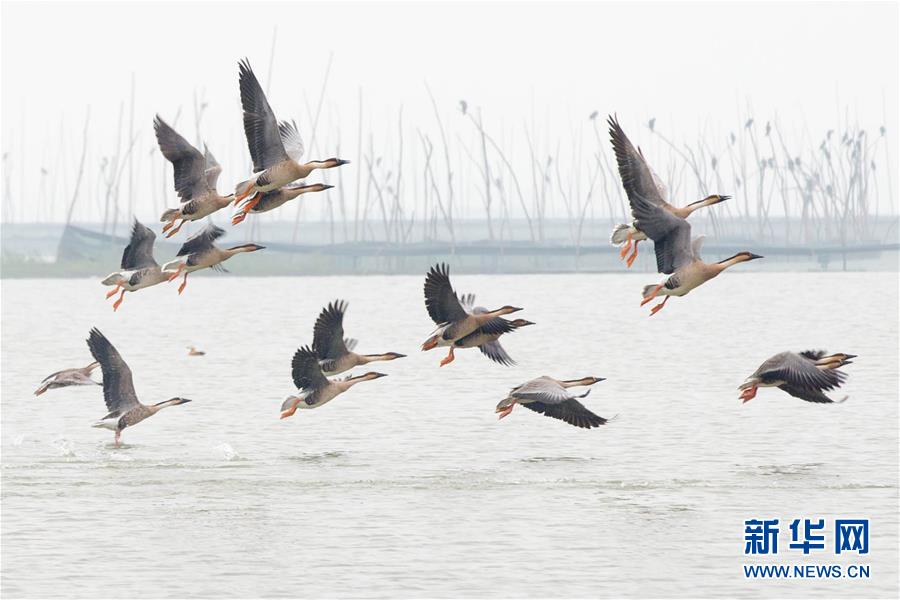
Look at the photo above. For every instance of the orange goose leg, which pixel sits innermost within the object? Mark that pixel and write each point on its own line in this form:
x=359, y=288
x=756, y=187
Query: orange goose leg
x=119, y=301
x=659, y=306
x=626, y=247
x=245, y=210
x=183, y=284
x=177, y=272
x=118, y=437
x=177, y=229
x=449, y=358
x=633, y=256
x=113, y=292
x=652, y=294
x=239, y=197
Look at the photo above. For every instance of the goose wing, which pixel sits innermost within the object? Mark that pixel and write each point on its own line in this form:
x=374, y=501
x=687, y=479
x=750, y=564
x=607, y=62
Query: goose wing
x=213, y=168
x=138, y=253
x=497, y=353
x=638, y=178
x=440, y=299
x=202, y=240
x=118, y=388
x=804, y=393
x=328, y=333
x=671, y=235
x=188, y=163
x=800, y=372
x=290, y=137
x=571, y=411
x=260, y=125
x=306, y=371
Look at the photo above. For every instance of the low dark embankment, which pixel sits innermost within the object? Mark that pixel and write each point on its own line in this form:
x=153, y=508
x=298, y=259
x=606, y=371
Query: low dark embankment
x=83, y=252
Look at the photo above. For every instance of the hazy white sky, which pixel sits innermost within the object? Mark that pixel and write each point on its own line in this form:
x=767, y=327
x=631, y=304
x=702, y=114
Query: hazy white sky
x=694, y=66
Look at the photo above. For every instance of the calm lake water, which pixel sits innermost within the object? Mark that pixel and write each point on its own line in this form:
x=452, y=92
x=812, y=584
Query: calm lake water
x=408, y=485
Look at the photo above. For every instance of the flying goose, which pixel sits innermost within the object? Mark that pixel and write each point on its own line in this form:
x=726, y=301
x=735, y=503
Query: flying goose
x=201, y=252
x=335, y=356
x=271, y=200
x=638, y=179
x=139, y=269
x=315, y=389
x=682, y=260
x=805, y=375
x=552, y=398
x=444, y=308
x=118, y=389
x=68, y=377
x=195, y=176
x=276, y=148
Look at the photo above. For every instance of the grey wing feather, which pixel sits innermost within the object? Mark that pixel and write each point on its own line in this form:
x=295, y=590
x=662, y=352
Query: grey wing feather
x=804, y=393
x=328, y=333
x=542, y=389
x=189, y=165
x=497, y=353
x=202, y=240
x=306, y=371
x=637, y=177
x=213, y=168
x=440, y=299
x=671, y=235
x=350, y=343
x=118, y=387
x=290, y=137
x=800, y=372
x=260, y=125
x=571, y=411
x=138, y=253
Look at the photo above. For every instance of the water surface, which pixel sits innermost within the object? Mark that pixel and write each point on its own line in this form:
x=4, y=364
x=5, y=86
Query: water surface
x=408, y=485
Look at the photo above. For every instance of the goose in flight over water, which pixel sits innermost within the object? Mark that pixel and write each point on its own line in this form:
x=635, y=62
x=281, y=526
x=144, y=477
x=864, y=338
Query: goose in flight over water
x=688, y=270
x=118, y=389
x=805, y=375
x=276, y=148
x=195, y=176
x=638, y=179
x=445, y=309
x=552, y=398
x=335, y=352
x=272, y=200
x=68, y=377
x=139, y=269
x=201, y=252
x=315, y=389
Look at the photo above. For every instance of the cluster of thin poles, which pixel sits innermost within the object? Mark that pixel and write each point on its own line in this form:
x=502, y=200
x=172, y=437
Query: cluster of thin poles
x=464, y=175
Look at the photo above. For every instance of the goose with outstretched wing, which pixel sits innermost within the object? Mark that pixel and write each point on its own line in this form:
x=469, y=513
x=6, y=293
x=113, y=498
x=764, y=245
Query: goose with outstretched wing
x=275, y=147
x=676, y=254
x=806, y=375
x=314, y=389
x=453, y=321
x=125, y=410
x=139, y=269
x=335, y=353
x=638, y=179
x=195, y=174
x=552, y=398
x=201, y=252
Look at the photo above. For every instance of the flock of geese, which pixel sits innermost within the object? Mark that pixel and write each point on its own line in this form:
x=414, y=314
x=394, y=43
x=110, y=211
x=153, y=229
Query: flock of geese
x=276, y=149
